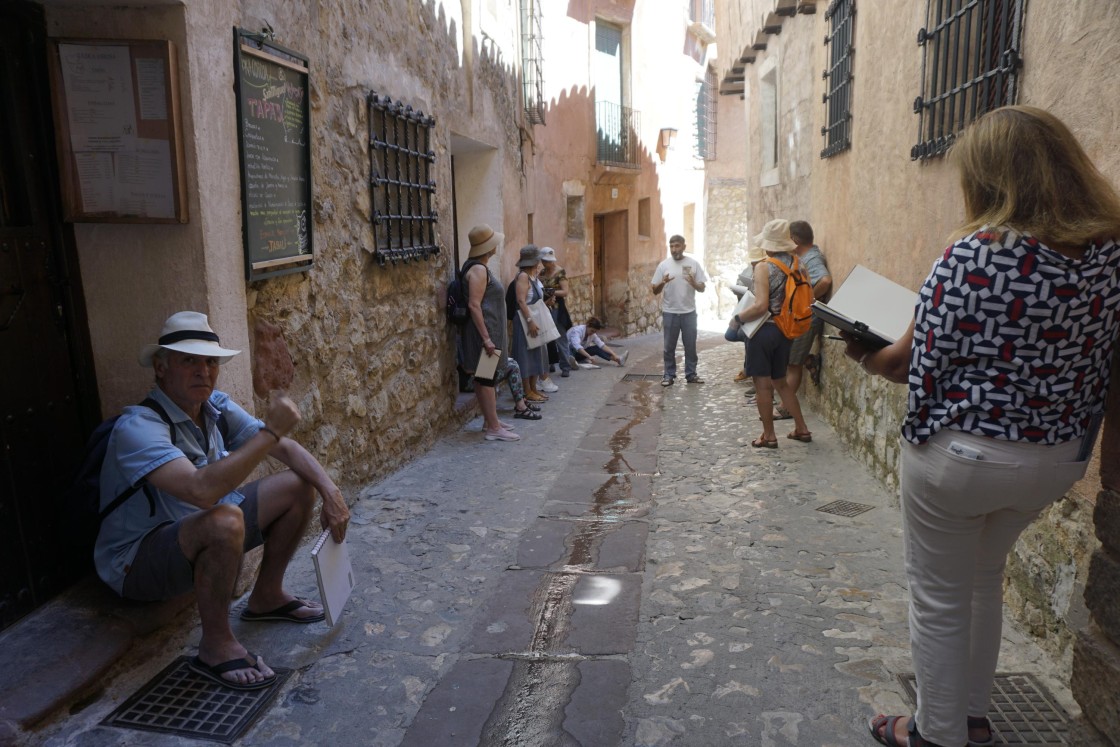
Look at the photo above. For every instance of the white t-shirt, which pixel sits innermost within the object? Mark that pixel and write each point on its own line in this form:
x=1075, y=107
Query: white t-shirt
x=678, y=297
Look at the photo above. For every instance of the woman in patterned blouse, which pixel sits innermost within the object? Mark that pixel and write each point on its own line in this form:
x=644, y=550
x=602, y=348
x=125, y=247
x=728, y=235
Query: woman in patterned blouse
x=1007, y=364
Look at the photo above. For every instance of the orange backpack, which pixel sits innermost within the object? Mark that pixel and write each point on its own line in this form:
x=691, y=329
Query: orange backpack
x=796, y=315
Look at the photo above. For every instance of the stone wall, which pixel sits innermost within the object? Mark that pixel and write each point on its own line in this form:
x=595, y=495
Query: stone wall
x=644, y=307
x=728, y=241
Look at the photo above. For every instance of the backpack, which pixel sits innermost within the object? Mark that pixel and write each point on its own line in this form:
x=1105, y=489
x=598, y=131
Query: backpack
x=796, y=315
x=511, y=299
x=83, y=500
x=458, y=312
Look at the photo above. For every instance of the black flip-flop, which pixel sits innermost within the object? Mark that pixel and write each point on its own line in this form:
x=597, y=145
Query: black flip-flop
x=214, y=673
x=283, y=613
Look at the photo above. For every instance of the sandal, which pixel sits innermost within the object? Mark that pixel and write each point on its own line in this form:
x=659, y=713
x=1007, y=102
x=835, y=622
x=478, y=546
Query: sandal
x=765, y=443
x=526, y=414
x=532, y=406
x=805, y=437
x=887, y=737
x=981, y=722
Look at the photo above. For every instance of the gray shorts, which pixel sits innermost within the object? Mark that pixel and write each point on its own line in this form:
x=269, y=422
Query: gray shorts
x=160, y=570
x=802, y=345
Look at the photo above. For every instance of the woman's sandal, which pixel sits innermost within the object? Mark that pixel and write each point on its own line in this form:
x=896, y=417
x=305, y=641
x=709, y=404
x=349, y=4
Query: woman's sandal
x=526, y=414
x=805, y=437
x=532, y=406
x=765, y=443
x=981, y=722
x=886, y=724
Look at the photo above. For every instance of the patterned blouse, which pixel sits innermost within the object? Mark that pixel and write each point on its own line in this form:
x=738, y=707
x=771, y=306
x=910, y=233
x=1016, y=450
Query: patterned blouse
x=1013, y=340
x=554, y=281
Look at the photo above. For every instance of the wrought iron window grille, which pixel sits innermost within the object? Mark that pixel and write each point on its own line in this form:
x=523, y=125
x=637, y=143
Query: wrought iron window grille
x=617, y=133
x=838, y=76
x=972, y=52
x=532, y=61
x=401, y=183
x=706, y=116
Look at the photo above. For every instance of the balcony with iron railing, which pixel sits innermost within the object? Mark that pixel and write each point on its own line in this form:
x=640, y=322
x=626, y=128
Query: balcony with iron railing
x=617, y=129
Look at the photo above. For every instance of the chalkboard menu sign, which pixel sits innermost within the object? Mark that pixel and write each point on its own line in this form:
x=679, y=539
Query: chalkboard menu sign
x=274, y=134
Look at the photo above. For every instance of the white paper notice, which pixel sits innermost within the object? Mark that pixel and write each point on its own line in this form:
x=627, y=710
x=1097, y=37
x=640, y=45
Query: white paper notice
x=98, y=83
x=151, y=88
x=95, y=179
x=143, y=181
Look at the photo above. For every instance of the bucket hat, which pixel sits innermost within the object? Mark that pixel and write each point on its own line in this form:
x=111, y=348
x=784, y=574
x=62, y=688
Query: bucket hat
x=775, y=237
x=548, y=254
x=756, y=254
x=187, y=332
x=484, y=239
x=530, y=255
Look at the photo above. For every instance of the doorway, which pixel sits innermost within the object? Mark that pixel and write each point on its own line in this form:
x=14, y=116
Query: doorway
x=611, y=266
x=48, y=398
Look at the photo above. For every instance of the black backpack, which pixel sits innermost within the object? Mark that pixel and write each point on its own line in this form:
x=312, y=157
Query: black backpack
x=457, y=310
x=83, y=500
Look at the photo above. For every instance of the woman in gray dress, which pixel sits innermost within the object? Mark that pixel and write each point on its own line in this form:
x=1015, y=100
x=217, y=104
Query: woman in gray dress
x=527, y=290
x=485, y=334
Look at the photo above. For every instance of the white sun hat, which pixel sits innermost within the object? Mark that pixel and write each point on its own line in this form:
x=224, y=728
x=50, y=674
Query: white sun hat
x=187, y=332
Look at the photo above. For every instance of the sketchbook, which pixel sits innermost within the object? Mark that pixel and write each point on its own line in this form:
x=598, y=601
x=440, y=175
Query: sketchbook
x=871, y=308
x=749, y=328
x=487, y=364
x=334, y=574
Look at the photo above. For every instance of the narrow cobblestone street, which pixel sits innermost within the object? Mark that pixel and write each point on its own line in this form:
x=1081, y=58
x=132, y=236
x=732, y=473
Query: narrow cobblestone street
x=630, y=573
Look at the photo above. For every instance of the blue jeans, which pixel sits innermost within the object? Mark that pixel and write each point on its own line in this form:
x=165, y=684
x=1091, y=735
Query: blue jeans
x=682, y=326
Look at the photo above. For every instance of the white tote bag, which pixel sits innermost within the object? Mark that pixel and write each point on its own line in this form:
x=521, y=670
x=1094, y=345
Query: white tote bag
x=546, y=327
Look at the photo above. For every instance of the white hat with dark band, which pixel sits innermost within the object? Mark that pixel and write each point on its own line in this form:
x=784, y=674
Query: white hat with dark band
x=187, y=332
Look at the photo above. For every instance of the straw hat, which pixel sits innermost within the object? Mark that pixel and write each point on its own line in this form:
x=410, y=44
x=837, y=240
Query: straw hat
x=484, y=240
x=187, y=332
x=775, y=237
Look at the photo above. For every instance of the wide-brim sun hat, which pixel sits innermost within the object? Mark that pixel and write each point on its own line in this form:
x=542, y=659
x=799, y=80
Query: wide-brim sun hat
x=530, y=255
x=188, y=332
x=775, y=237
x=484, y=240
x=548, y=254
x=756, y=254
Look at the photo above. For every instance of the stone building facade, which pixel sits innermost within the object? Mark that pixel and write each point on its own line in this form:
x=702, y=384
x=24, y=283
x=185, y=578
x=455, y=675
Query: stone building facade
x=870, y=203
x=525, y=95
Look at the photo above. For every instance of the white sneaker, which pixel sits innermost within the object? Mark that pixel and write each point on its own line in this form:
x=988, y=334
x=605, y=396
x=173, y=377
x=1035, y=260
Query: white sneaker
x=622, y=358
x=502, y=434
x=546, y=386
x=588, y=366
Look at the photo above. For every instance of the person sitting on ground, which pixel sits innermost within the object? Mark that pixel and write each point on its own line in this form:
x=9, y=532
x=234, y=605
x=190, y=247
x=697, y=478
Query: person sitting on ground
x=814, y=264
x=769, y=348
x=586, y=343
x=201, y=516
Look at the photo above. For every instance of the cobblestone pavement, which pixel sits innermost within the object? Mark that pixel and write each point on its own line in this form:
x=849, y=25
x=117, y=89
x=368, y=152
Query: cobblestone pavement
x=631, y=572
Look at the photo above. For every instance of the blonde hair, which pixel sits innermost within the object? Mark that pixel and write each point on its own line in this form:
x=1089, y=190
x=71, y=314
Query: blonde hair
x=1021, y=167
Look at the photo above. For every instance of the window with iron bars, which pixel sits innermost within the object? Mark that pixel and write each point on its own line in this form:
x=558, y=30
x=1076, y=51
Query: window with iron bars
x=401, y=183
x=970, y=62
x=706, y=116
x=838, y=77
x=532, y=61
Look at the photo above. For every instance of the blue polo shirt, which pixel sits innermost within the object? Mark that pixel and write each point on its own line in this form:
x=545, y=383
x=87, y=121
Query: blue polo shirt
x=139, y=444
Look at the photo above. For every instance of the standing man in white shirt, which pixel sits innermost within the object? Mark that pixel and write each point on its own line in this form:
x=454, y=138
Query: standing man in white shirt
x=680, y=278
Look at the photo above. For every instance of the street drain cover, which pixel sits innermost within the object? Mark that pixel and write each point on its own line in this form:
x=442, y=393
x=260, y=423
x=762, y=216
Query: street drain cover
x=180, y=701
x=1023, y=712
x=642, y=377
x=845, y=508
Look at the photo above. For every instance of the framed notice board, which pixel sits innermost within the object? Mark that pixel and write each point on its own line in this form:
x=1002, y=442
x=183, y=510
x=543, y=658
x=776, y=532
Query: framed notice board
x=274, y=135
x=119, y=140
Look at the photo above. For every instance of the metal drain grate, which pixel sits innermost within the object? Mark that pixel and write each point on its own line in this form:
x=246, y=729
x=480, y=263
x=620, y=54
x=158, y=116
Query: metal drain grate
x=642, y=377
x=180, y=701
x=1023, y=712
x=845, y=508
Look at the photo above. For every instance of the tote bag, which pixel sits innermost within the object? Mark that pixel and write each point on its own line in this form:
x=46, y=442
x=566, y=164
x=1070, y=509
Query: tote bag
x=546, y=327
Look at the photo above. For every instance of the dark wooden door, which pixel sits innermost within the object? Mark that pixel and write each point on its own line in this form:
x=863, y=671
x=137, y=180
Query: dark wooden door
x=46, y=392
